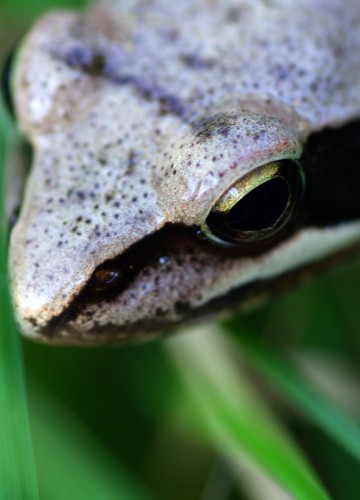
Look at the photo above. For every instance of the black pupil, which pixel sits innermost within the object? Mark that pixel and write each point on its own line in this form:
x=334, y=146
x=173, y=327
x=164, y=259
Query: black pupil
x=261, y=208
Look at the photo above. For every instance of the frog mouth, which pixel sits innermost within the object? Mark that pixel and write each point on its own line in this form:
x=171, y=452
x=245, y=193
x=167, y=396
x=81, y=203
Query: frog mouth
x=243, y=298
x=182, y=240
x=172, y=242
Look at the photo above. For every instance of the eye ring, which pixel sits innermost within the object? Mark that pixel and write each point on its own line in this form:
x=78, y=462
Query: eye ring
x=257, y=206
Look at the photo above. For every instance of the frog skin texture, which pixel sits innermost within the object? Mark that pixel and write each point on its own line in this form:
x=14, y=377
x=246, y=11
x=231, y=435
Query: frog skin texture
x=141, y=114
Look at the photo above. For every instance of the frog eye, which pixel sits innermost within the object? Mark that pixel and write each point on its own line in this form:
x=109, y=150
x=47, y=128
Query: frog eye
x=257, y=206
x=6, y=83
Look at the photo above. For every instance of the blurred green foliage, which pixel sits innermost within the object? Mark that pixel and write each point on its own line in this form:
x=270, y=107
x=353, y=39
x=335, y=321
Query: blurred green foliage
x=159, y=421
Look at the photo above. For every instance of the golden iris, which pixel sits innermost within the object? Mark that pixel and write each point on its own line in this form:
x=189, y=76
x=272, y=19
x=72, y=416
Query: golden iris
x=258, y=205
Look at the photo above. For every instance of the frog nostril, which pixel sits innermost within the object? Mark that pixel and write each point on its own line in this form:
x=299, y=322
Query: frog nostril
x=106, y=279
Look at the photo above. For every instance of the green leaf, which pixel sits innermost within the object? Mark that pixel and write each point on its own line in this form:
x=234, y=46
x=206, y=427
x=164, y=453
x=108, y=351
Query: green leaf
x=65, y=449
x=17, y=470
x=235, y=418
x=283, y=374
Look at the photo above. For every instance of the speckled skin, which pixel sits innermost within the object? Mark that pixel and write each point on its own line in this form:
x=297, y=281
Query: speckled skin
x=142, y=113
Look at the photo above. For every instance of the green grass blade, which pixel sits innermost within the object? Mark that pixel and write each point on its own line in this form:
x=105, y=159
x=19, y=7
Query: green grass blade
x=309, y=401
x=234, y=417
x=65, y=449
x=17, y=470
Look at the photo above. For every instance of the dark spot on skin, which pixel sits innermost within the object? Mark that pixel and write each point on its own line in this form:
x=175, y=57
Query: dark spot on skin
x=194, y=61
x=207, y=127
x=182, y=307
x=131, y=163
x=87, y=60
x=280, y=72
x=80, y=195
x=170, y=104
x=32, y=321
x=233, y=14
x=161, y=312
x=170, y=34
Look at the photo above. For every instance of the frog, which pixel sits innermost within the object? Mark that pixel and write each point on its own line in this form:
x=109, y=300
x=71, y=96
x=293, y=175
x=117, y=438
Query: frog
x=188, y=157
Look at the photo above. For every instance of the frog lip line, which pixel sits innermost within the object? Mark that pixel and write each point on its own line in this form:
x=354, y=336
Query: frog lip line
x=143, y=330
x=171, y=241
